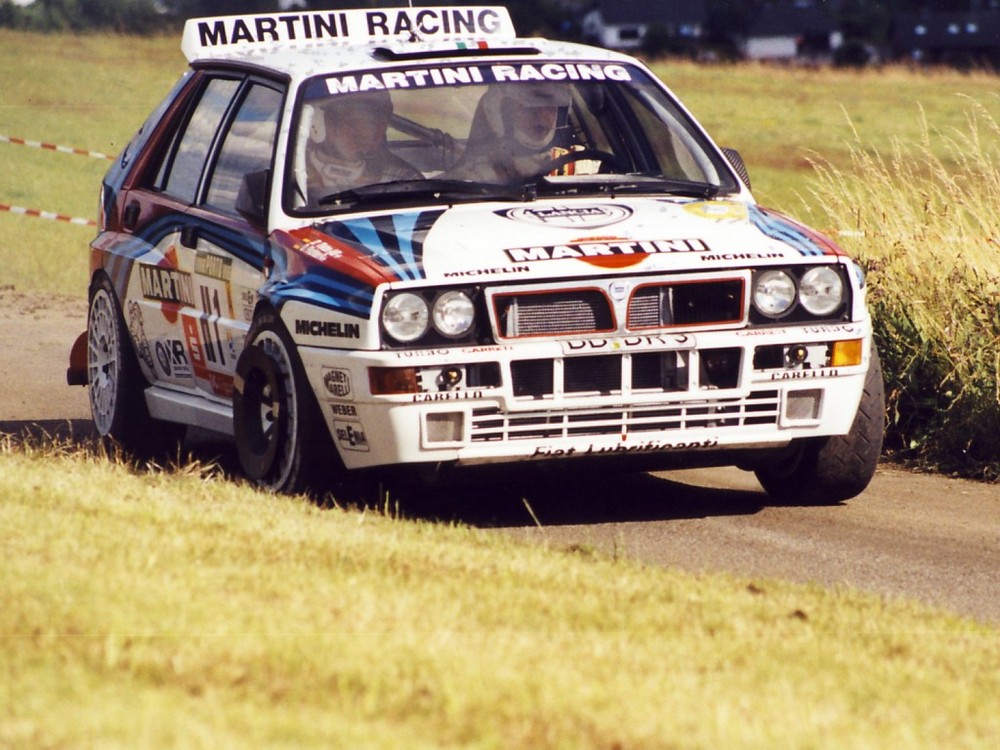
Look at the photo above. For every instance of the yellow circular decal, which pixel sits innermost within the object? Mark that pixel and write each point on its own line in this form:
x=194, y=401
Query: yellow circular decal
x=718, y=210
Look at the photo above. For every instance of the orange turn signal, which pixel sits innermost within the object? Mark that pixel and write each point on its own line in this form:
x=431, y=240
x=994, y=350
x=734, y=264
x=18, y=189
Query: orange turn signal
x=846, y=353
x=386, y=381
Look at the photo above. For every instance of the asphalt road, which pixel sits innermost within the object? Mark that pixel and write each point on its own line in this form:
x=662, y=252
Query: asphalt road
x=913, y=536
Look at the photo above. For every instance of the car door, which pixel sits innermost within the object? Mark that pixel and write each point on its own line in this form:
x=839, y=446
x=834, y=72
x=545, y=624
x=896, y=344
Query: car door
x=157, y=272
x=225, y=240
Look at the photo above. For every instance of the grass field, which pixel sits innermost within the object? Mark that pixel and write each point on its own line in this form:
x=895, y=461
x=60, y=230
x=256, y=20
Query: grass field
x=180, y=611
x=177, y=610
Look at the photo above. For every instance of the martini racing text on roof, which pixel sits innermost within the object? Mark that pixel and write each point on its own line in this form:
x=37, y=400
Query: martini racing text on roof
x=353, y=26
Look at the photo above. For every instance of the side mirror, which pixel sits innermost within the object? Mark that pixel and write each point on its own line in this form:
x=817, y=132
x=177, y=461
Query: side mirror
x=737, y=161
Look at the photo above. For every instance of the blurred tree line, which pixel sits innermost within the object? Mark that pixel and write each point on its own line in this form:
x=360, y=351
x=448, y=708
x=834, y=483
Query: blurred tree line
x=864, y=22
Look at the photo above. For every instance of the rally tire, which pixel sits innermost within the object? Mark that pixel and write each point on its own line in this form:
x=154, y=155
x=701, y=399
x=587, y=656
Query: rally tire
x=834, y=469
x=117, y=386
x=280, y=438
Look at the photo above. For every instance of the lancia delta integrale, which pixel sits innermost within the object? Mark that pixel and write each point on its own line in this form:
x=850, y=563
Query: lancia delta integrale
x=362, y=239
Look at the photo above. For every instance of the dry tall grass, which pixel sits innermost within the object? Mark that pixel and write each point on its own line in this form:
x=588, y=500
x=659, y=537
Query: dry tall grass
x=923, y=220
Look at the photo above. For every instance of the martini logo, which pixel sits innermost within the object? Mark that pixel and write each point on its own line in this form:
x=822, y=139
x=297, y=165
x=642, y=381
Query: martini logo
x=611, y=249
x=166, y=285
x=569, y=217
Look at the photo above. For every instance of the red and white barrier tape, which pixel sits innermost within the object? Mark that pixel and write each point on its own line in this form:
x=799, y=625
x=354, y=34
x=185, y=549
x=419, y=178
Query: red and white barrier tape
x=46, y=215
x=53, y=147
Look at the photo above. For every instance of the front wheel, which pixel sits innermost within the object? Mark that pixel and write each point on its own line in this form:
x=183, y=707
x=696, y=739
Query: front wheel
x=117, y=385
x=830, y=470
x=280, y=439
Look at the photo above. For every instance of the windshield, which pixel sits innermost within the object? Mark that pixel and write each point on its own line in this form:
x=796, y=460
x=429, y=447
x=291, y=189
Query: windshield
x=482, y=130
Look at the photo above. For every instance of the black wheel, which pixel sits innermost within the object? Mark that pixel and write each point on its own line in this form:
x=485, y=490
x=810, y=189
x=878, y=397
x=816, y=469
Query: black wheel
x=280, y=438
x=117, y=385
x=589, y=154
x=834, y=469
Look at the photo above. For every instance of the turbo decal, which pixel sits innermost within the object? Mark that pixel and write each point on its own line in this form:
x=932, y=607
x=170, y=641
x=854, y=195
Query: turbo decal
x=599, y=249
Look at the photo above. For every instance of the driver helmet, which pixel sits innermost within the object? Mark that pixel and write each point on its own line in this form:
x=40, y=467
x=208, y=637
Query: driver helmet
x=498, y=111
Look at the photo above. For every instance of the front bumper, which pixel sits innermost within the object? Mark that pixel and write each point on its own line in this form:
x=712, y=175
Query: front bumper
x=593, y=398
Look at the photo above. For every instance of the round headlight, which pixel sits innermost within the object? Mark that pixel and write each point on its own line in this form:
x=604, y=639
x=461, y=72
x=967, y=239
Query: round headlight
x=774, y=293
x=453, y=314
x=821, y=290
x=405, y=317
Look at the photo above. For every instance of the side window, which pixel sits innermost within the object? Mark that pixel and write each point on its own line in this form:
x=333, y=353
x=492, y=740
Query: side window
x=181, y=169
x=239, y=180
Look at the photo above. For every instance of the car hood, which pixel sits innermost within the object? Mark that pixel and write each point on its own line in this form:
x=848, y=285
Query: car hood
x=564, y=239
x=340, y=263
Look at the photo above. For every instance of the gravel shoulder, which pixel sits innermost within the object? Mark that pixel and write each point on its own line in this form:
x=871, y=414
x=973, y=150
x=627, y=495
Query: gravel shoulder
x=36, y=335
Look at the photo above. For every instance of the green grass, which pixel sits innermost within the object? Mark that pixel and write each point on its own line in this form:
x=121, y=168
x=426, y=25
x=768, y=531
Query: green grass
x=781, y=118
x=176, y=609
x=93, y=94
x=158, y=611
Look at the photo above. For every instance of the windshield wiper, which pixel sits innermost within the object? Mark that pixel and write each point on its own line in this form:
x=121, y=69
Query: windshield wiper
x=405, y=191
x=618, y=184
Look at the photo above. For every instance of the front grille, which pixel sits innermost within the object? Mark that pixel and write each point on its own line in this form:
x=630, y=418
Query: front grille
x=686, y=303
x=607, y=374
x=759, y=408
x=553, y=313
x=673, y=302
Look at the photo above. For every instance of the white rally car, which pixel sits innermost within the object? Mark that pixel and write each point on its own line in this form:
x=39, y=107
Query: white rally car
x=409, y=238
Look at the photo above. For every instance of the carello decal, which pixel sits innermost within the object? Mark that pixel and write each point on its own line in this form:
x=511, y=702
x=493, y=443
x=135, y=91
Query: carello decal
x=569, y=217
x=328, y=329
x=612, y=248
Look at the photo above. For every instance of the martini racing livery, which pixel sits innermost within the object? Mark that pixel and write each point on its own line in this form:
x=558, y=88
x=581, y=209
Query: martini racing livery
x=409, y=238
